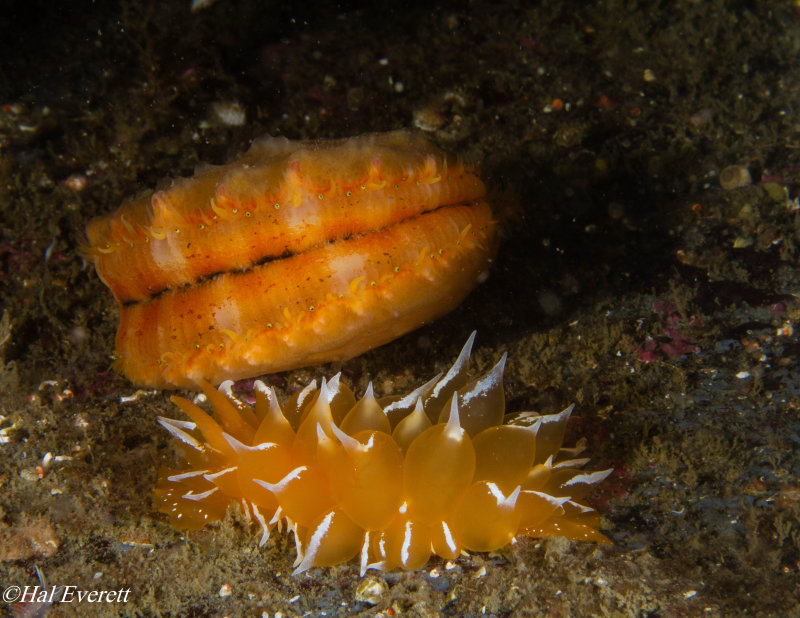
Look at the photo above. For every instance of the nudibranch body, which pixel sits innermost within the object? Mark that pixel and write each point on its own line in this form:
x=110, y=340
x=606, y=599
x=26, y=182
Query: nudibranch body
x=438, y=471
x=295, y=254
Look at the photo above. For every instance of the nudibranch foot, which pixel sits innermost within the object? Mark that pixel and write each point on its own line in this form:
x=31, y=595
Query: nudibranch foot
x=388, y=481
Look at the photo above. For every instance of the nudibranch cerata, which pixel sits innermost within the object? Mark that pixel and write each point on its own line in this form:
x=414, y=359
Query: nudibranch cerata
x=438, y=471
x=295, y=254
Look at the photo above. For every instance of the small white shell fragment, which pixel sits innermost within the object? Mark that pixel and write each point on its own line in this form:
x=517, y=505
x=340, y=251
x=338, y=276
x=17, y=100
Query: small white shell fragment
x=371, y=590
x=229, y=113
x=735, y=177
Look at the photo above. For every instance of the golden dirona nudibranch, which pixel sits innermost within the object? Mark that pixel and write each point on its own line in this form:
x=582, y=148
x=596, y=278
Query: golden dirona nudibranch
x=390, y=481
x=295, y=254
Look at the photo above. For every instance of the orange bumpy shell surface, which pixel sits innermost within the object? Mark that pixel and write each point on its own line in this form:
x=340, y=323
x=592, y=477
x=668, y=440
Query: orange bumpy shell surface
x=390, y=481
x=295, y=254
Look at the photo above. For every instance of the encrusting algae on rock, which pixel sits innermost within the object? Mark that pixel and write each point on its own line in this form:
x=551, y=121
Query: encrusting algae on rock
x=392, y=481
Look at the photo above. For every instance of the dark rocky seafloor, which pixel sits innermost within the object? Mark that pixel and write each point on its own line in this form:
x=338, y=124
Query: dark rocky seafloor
x=649, y=274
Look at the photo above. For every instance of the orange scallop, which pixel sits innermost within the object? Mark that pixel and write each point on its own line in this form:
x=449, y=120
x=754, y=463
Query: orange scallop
x=295, y=254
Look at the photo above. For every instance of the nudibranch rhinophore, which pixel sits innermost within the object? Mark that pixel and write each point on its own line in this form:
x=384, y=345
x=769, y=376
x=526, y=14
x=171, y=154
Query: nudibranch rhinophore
x=392, y=481
x=295, y=254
